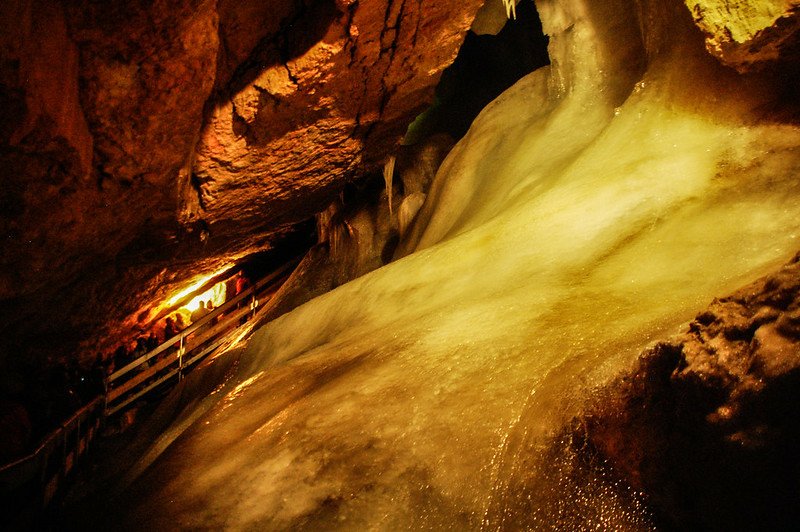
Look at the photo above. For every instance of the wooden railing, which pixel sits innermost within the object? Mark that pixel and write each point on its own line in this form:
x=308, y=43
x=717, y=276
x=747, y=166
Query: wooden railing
x=174, y=357
x=30, y=483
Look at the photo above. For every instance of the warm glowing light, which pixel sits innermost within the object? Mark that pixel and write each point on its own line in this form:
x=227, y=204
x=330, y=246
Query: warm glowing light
x=564, y=233
x=194, y=286
x=216, y=294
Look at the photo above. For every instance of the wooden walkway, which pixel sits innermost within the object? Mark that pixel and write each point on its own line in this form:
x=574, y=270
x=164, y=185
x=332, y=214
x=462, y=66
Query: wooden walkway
x=172, y=359
x=29, y=484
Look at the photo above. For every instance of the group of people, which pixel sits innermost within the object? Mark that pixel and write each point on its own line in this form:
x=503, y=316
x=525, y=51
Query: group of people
x=173, y=325
x=203, y=309
x=128, y=352
x=62, y=390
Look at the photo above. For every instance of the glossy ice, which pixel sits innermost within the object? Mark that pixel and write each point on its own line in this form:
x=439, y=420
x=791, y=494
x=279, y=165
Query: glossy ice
x=592, y=208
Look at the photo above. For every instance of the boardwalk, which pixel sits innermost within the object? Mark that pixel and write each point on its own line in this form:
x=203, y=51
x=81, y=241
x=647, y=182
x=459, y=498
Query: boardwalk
x=29, y=484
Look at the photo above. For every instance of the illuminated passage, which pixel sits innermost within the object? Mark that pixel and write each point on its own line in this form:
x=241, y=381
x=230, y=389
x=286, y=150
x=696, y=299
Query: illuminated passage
x=595, y=206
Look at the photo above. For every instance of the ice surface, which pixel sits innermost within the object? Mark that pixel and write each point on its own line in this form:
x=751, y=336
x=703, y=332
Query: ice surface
x=585, y=214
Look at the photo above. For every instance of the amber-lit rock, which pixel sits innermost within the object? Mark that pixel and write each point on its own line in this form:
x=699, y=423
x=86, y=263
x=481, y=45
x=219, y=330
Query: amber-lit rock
x=105, y=104
x=45, y=144
x=147, y=142
x=749, y=34
x=338, y=91
x=706, y=425
x=146, y=71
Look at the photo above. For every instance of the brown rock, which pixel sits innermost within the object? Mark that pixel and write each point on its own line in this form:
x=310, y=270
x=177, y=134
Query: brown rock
x=706, y=424
x=151, y=141
x=243, y=24
x=94, y=187
x=748, y=35
x=324, y=110
x=147, y=70
x=45, y=145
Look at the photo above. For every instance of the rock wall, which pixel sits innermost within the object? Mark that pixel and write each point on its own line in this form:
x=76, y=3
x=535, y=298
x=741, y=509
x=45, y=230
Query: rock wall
x=146, y=142
x=749, y=35
x=327, y=98
x=706, y=424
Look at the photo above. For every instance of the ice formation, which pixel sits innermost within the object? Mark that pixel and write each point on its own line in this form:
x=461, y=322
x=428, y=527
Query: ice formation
x=592, y=208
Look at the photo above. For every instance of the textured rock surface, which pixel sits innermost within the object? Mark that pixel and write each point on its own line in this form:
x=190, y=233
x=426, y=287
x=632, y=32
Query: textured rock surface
x=749, y=34
x=707, y=423
x=339, y=89
x=148, y=141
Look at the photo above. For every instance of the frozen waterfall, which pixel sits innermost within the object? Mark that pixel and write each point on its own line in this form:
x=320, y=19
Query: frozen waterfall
x=592, y=208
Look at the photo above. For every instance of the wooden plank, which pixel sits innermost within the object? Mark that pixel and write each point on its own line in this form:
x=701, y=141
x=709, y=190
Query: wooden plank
x=143, y=376
x=138, y=379
x=210, y=349
x=171, y=358
x=141, y=392
x=144, y=358
x=191, y=342
x=199, y=323
x=175, y=339
x=171, y=342
x=221, y=327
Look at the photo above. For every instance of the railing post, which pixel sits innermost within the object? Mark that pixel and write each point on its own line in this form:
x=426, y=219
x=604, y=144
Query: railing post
x=79, y=441
x=62, y=471
x=180, y=359
x=106, y=384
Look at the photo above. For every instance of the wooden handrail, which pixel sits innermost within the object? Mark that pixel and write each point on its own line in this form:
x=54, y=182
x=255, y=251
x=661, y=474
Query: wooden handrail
x=178, y=337
x=50, y=439
x=161, y=364
x=199, y=323
x=40, y=474
x=197, y=335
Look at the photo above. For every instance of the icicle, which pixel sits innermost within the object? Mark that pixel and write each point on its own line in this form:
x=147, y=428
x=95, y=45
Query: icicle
x=408, y=211
x=325, y=223
x=511, y=8
x=388, y=173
